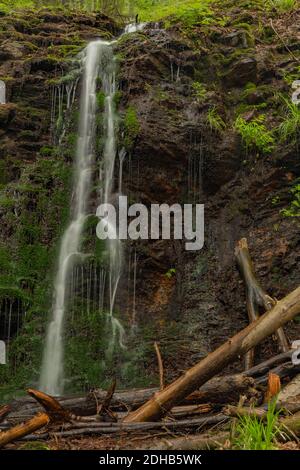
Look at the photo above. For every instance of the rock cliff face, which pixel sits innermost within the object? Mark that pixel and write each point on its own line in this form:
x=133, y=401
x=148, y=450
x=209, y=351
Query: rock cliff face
x=182, y=90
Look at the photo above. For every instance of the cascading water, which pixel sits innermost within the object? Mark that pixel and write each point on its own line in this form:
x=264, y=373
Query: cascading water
x=98, y=62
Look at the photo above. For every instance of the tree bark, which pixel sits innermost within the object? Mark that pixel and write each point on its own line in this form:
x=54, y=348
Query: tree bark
x=37, y=422
x=4, y=410
x=284, y=311
x=255, y=295
x=160, y=366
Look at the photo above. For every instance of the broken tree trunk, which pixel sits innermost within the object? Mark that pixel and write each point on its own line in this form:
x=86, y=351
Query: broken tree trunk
x=255, y=295
x=54, y=413
x=37, y=422
x=4, y=410
x=284, y=310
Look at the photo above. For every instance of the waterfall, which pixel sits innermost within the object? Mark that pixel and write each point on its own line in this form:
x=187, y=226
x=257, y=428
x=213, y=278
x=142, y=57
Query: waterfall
x=94, y=57
x=98, y=62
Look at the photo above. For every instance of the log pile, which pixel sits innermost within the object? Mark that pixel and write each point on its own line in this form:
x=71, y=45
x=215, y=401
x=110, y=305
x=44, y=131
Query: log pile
x=197, y=401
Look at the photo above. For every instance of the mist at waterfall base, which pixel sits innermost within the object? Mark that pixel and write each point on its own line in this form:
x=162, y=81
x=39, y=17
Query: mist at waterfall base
x=98, y=62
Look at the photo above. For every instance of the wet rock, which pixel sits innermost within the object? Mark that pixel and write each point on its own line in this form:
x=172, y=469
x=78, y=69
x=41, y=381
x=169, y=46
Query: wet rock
x=241, y=72
x=237, y=39
x=11, y=50
x=7, y=114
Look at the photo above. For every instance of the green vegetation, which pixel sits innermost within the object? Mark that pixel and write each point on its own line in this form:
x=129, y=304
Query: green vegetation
x=289, y=128
x=253, y=433
x=283, y=5
x=131, y=127
x=170, y=273
x=215, y=121
x=255, y=135
x=294, y=209
x=199, y=91
x=101, y=100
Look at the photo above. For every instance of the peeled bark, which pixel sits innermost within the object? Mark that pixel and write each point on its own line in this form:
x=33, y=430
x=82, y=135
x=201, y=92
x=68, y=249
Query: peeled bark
x=284, y=311
x=255, y=295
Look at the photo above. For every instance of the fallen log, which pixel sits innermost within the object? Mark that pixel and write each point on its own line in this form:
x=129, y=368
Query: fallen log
x=117, y=428
x=266, y=366
x=219, y=390
x=37, y=422
x=4, y=410
x=238, y=411
x=256, y=297
x=53, y=408
x=284, y=311
x=54, y=413
x=292, y=424
x=291, y=392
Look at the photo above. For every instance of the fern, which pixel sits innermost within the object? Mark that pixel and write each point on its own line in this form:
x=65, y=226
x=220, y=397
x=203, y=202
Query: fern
x=255, y=135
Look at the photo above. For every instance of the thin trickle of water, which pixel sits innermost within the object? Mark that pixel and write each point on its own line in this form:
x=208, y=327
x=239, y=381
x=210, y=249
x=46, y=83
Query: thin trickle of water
x=122, y=155
x=2, y=92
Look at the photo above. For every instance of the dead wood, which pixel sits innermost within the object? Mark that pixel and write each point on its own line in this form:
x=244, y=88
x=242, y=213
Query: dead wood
x=237, y=411
x=256, y=297
x=54, y=413
x=53, y=408
x=284, y=311
x=274, y=386
x=4, y=410
x=291, y=392
x=132, y=428
x=37, y=422
x=160, y=366
x=104, y=408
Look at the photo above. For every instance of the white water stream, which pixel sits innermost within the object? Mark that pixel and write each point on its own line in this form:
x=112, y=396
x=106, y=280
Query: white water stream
x=98, y=62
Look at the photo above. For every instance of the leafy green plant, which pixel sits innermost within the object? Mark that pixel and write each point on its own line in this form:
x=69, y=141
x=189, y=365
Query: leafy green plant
x=294, y=209
x=289, y=128
x=170, y=273
x=199, y=91
x=215, y=121
x=100, y=96
x=253, y=433
x=283, y=5
x=254, y=134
